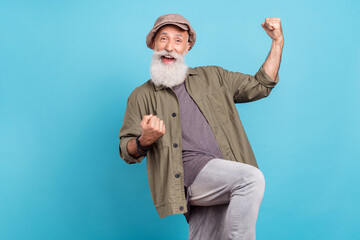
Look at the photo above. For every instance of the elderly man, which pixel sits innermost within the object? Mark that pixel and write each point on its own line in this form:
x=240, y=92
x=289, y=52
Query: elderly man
x=185, y=122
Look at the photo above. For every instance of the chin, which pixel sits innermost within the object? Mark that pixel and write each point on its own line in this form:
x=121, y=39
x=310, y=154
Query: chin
x=168, y=69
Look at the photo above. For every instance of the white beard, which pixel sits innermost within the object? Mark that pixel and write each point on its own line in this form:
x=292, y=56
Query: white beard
x=168, y=75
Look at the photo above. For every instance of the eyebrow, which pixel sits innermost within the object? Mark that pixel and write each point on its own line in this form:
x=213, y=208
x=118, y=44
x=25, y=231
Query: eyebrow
x=165, y=33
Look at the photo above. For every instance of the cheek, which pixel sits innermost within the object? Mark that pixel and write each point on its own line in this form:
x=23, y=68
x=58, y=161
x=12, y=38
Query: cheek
x=181, y=49
x=158, y=46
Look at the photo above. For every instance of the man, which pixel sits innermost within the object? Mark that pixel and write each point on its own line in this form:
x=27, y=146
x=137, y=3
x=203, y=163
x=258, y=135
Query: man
x=185, y=122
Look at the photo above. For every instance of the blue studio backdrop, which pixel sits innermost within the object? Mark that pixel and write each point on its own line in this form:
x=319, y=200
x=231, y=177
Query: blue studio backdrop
x=68, y=67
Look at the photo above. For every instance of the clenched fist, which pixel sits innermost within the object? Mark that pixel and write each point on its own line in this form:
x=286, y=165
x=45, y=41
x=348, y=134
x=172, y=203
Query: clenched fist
x=272, y=26
x=152, y=128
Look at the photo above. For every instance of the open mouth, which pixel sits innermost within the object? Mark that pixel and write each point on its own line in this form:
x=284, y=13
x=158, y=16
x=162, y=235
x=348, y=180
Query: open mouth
x=167, y=59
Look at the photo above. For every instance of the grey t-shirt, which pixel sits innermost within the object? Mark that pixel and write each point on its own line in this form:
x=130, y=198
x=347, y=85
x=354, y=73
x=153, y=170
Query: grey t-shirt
x=199, y=145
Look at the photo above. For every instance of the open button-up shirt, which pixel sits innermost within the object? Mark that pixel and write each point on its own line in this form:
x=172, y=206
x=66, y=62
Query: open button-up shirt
x=214, y=90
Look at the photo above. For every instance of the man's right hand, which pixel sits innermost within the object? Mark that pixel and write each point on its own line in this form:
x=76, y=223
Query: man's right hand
x=152, y=128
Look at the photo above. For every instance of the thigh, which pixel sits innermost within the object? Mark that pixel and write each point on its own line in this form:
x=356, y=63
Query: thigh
x=215, y=181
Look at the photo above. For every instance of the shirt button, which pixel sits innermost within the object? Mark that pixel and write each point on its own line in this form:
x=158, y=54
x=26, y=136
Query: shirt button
x=181, y=208
x=173, y=114
x=177, y=175
x=175, y=145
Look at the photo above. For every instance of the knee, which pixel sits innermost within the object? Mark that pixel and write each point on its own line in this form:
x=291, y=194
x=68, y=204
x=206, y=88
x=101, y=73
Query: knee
x=251, y=181
x=257, y=180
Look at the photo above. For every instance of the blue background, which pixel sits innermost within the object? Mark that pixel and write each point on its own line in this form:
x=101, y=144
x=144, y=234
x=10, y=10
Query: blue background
x=67, y=68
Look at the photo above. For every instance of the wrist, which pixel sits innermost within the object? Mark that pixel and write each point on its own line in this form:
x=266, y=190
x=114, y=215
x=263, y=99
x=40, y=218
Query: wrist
x=144, y=142
x=141, y=150
x=278, y=42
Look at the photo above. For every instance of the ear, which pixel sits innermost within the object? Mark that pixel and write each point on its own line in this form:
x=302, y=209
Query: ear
x=153, y=43
x=188, y=46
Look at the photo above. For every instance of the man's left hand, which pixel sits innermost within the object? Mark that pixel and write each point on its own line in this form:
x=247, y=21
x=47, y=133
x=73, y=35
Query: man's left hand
x=272, y=26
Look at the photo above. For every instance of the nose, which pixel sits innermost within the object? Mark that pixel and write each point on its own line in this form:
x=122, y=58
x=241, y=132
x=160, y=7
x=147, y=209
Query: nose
x=169, y=46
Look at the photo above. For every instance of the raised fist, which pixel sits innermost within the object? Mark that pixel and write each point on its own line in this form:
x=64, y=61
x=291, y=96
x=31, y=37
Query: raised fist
x=152, y=128
x=272, y=26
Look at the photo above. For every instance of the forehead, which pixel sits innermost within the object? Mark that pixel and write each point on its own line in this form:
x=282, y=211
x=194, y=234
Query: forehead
x=171, y=30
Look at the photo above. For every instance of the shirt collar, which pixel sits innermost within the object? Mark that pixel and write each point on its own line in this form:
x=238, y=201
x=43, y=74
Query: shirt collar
x=191, y=71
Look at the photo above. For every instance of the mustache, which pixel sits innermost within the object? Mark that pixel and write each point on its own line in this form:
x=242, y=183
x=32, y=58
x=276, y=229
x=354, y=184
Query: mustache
x=173, y=54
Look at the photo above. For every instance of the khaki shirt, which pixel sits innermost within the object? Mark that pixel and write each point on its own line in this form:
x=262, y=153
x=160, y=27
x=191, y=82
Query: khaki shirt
x=214, y=90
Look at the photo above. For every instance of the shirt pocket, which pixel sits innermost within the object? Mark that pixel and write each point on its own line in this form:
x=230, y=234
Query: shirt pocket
x=219, y=103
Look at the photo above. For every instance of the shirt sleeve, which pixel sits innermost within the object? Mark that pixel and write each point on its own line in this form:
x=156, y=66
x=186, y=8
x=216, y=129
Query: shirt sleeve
x=130, y=129
x=247, y=88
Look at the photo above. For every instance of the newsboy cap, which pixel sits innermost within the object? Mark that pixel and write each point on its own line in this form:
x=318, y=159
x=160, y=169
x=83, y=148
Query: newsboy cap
x=171, y=19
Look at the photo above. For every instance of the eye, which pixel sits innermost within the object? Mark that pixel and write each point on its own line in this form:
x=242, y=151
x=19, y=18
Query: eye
x=178, y=40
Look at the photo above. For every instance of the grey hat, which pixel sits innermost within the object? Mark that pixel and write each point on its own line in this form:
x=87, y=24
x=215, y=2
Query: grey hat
x=171, y=19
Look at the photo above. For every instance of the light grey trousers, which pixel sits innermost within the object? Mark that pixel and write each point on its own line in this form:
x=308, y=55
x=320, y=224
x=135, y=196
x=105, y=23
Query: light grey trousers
x=225, y=199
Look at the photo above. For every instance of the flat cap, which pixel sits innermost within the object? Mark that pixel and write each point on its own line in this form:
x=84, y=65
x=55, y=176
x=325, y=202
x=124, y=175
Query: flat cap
x=171, y=19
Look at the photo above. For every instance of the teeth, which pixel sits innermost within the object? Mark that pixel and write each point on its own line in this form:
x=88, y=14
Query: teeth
x=168, y=56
